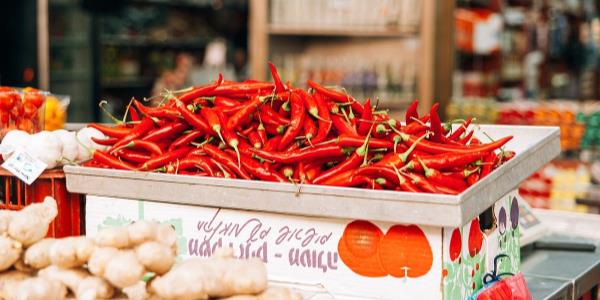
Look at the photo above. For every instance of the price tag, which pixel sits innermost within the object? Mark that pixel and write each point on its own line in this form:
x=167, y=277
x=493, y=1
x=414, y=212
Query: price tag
x=6, y=149
x=24, y=166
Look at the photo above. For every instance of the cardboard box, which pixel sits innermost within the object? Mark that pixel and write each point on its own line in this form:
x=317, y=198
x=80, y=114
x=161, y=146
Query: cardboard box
x=334, y=258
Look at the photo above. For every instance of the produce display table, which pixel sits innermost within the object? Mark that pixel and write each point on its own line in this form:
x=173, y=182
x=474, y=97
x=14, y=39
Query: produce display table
x=330, y=241
x=552, y=274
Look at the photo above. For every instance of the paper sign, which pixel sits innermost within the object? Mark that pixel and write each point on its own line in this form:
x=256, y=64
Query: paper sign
x=6, y=149
x=24, y=166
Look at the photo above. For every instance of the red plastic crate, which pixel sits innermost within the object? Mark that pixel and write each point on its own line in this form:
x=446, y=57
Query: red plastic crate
x=15, y=194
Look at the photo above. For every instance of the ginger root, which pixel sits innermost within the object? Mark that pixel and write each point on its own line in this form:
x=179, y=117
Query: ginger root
x=71, y=252
x=36, y=288
x=80, y=282
x=5, y=217
x=156, y=257
x=116, y=237
x=124, y=269
x=9, y=279
x=10, y=252
x=100, y=258
x=218, y=276
x=31, y=224
x=38, y=255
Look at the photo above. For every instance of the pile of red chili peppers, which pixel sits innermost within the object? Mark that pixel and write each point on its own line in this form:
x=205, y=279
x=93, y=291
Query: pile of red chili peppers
x=276, y=132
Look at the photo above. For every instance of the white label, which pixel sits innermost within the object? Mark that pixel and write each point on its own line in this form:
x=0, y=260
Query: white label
x=24, y=166
x=6, y=149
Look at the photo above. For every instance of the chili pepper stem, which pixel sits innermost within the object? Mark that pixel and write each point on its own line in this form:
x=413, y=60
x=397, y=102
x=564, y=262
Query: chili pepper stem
x=111, y=116
x=405, y=154
x=127, y=111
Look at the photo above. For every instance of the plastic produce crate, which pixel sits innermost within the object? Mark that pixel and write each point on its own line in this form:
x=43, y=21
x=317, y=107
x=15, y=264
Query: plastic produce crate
x=15, y=194
x=341, y=243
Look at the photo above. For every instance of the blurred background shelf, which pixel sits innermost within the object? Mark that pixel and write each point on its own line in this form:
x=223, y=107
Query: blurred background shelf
x=346, y=31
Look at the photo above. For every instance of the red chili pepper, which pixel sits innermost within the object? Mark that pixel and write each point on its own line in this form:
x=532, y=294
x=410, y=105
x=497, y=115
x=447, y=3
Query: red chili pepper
x=111, y=161
x=460, y=130
x=230, y=137
x=259, y=171
x=310, y=129
x=507, y=155
x=336, y=96
x=311, y=104
x=398, y=160
x=185, y=139
x=226, y=160
x=158, y=112
x=162, y=160
x=195, y=120
x=197, y=162
x=440, y=179
x=473, y=178
x=272, y=144
x=212, y=119
x=437, y=148
x=220, y=101
x=488, y=164
x=133, y=113
x=411, y=113
x=139, y=130
x=436, y=125
x=445, y=161
x=116, y=132
x=254, y=139
x=417, y=127
x=391, y=175
x=474, y=141
x=262, y=133
x=165, y=132
x=200, y=91
x=353, y=162
x=324, y=120
x=346, y=140
x=105, y=142
x=133, y=156
x=342, y=126
x=422, y=183
x=151, y=147
x=463, y=174
x=243, y=115
x=466, y=138
x=278, y=85
x=323, y=151
x=269, y=116
x=245, y=90
x=342, y=179
x=366, y=119
x=296, y=122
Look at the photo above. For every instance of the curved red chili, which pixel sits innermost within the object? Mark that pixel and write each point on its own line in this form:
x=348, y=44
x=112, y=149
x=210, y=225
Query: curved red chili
x=165, y=132
x=411, y=113
x=116, y=132
x=366, y=119
x=322, y=151
x=137, y=131
x=296, y=122
x=162, y=160
x=226, y=160
x=185, y=139
x=336, y=96
x=324, y=120
x=279, y=87
x=242, y=116
x=342, y=126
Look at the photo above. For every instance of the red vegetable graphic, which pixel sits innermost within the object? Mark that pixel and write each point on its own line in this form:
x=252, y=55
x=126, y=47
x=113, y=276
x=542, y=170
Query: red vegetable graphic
x=405, y=252
x=475, y=238
x=358, y=248
x=455, y=244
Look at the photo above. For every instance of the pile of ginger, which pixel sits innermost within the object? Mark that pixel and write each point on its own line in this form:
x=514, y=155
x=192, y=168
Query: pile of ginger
x=117, y=263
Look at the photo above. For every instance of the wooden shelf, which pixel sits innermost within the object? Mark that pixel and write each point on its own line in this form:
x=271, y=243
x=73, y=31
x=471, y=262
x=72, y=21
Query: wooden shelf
x=118, y=41
x=343, y=32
